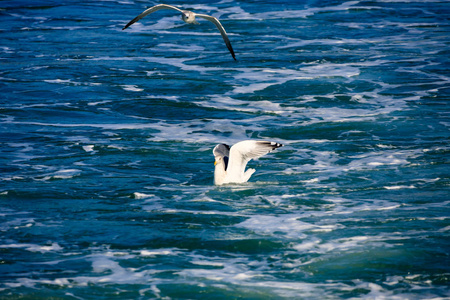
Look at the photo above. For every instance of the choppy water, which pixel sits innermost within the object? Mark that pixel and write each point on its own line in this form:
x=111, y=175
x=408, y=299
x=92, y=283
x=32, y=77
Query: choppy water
x=106, y=137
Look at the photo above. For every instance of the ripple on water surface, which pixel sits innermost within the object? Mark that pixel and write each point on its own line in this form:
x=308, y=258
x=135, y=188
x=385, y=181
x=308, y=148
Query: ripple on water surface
x=107, y=136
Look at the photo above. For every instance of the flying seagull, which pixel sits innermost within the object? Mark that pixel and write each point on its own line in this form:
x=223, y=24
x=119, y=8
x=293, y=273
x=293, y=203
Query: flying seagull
x=230, y=163
x=188, y=17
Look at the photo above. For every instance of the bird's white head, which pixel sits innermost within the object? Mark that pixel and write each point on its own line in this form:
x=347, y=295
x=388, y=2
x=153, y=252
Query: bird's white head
x=188, y=17
x=218, y=161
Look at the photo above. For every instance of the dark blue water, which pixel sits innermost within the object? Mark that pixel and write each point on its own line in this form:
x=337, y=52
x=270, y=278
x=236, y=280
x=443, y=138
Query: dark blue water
x=106, y=165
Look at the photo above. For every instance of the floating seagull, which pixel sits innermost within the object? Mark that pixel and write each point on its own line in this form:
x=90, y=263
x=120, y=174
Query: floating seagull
x=188, y=17
x=231, y=162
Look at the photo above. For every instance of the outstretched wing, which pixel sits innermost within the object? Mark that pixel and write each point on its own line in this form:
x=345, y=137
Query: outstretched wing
x=221, y=29
x=242, y=152
x=149, y=11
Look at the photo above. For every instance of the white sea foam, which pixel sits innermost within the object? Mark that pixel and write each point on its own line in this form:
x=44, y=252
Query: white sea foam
x=260, y=79
x=34, y=247
x=241, y=274
x=238, y=13
x=59, y=174
x=132, y=88
x=229, y=103
x=399, y=187
x=137, y=195
x=195, y=131
x=232, y=270
x=108, y=268
x=160, y=252
x=325, y=165
x=177, y=47
x=287, y=225
x=250, y=80
x=88, y=148
x=209, y=263
x=24, y=17
x=343, y=42
x=344, y=245
x=386, y=157
x=71, y=82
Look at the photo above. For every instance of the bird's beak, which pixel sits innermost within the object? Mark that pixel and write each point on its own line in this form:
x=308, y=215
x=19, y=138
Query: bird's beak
x=215, y=163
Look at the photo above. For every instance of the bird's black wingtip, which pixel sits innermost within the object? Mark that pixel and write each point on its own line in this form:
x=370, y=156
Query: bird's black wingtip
x=274, y=145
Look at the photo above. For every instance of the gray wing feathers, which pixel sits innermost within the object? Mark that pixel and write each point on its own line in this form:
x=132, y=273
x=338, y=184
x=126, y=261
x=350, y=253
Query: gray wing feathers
x=221, y=150
x=222, y=31
x=149, y=11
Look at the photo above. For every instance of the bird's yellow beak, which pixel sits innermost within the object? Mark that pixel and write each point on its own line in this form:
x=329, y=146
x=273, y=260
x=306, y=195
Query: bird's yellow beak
x=215, y=163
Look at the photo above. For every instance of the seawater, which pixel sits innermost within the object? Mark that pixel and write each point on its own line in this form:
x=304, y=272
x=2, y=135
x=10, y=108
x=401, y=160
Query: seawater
x=106, y=183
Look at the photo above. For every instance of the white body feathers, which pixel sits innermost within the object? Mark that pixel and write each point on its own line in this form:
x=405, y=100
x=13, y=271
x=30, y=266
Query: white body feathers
x=230, y=163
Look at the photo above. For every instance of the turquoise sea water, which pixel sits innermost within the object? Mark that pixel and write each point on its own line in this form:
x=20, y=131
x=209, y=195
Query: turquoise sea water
x=106, y=138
